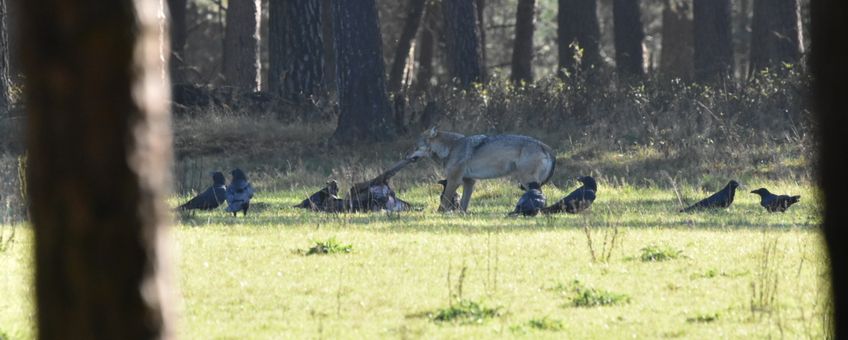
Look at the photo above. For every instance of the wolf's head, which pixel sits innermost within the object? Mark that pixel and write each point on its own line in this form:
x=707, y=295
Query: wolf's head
x=430, y=143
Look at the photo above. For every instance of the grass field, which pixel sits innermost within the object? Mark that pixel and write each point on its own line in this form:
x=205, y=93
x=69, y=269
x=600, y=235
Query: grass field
x=739, y=273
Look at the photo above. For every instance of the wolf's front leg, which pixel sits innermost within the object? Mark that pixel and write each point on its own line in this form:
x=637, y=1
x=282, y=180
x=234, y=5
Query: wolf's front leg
x=467, y=190
x=446, y=200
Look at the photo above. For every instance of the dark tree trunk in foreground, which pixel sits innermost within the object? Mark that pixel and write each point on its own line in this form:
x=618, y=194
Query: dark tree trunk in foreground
x=295, y=48
x=522, y=49
x=462, y=48
x=407, y=35
x=628, y=34
x=241, y=45
x=99, y=143
x=578, y=28
x=5, y=82
x=427, y=46
x=775, y=34
x=713, y=42
x=178, y=29
x=364, y=110
x=829, y=22
x=677, y=50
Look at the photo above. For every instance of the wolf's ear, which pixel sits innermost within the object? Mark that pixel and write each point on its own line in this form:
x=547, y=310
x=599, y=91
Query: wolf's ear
x=430, y=133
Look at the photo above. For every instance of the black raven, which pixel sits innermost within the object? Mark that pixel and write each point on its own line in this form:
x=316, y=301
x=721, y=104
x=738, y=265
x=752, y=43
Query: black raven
x=454, y=200
x=239, y=193
x=321, y=200
x=721, y=199
x=578, y=200
x=531, y=202
x=211, y=198
x=774, y=203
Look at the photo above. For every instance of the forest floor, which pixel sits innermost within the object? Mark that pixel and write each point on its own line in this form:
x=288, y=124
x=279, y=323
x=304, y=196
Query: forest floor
x=736, y=273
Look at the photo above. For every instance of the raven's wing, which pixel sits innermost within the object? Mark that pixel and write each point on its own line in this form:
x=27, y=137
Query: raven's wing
x=207, y=200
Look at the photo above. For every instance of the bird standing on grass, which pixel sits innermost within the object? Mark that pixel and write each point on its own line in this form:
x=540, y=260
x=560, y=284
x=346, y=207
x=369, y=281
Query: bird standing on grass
x=211, y=198
x=721, y=199
x=322, y=199
x=578, y=200
x=239, y=193
x=775, y=203
x=531, y=202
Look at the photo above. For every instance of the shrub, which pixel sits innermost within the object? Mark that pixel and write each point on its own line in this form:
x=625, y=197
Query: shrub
x=655, y=253
x=330, y=246
x=465, y=312
x=591, y=297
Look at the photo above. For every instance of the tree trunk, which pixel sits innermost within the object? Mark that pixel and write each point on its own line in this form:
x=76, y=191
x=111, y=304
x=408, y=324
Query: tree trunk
x=628, y=36
x=713, y=42
x=829, y=20
x=329, y=48
x=522, y=50
x=462, y=46
x=426, y=47
x=364, y=109
x=578, y=35
x=677, y=50
x=775, y=34
x=296, y=48
x=410, y=28
x=5, y=82
x=178, y=29
x=481, y=30
x=241, y=64
x=99, y=143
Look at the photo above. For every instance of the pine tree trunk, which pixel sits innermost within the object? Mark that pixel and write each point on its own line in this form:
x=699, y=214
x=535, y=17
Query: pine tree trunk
x=462, y=48
x=426, y=47
x=177, y=9
x=99, y=146
x=5, y=82
x=677, y=50
x=775, y=34
x=481, y=31
x=713, y=41
x=241, y=63
x=364, y=109
x=628, y=36
x=296, y=48
x=329, y=47
x=410, y=28
x=522, y=50
x=578, y=28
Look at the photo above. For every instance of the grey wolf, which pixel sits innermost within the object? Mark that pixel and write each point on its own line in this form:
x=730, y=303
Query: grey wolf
x=467, y=159
x=531, y=202
x=211, y=198
x=722, y=199
x=775, y=203
x=239, y=193
x=578, y=200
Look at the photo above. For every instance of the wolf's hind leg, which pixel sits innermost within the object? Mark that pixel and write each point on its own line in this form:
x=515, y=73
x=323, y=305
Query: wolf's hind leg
x=467, y=190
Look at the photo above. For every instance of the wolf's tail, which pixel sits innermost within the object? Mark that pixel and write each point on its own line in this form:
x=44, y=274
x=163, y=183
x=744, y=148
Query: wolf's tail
x=553, y=167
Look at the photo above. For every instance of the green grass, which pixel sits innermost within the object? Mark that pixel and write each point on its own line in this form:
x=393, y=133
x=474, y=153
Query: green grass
x=244, y=277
